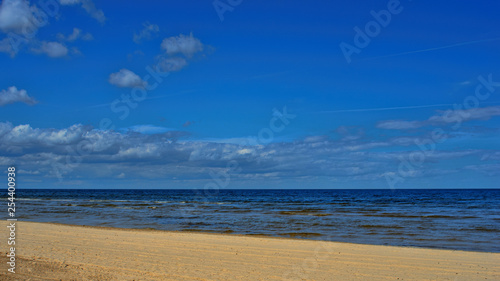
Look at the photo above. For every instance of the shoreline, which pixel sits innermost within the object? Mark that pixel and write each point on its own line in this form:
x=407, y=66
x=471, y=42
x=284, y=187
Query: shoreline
x=201, y=232
x=60, y=251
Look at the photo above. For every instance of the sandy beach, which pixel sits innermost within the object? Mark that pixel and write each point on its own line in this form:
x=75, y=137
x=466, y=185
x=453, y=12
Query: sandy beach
x=62, y=252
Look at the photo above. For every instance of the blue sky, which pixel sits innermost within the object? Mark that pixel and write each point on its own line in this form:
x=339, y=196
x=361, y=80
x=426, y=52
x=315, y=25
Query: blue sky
x=260, y=94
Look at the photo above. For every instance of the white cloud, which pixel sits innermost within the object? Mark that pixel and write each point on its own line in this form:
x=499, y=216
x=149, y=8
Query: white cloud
x=452, y=116
x=17, y=16
x=244, y=151
x=126, y=79
x=146, y=33
x=76, y=51
x=12, y=95
x=399, y=124
x=186, y=45
x=149, y=129
x=487, y=169
x=76, y=34
x=457, y=116
x=111, y=154
x=147, y=150
x=89, y=7
x=69, y=2
x=29, y=172
x=52, y=49
x=6, y=47
x=171, y=64
x=87, y=37
x=93, y=11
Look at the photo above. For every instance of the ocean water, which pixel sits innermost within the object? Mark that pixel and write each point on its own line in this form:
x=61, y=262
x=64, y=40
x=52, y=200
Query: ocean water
x=447, y=219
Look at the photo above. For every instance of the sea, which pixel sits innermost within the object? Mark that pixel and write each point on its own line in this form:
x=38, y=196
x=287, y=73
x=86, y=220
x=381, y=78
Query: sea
x=454, y=219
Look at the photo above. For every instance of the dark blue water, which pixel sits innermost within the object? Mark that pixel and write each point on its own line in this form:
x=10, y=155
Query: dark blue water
x=448, y=219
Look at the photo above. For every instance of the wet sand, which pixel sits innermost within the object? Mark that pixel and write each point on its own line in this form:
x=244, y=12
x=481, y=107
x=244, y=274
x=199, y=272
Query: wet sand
x=63, y=252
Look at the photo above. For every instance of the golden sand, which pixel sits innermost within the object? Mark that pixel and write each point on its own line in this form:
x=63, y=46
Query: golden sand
x=62, y=252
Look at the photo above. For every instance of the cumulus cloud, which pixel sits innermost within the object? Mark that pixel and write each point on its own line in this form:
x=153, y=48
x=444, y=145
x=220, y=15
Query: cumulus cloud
x=399, y=124
x=163, y=153
x=182, y=44
x=17, y=16
x=76, y=34
x=126, y=79
x=12, y=95
x=6, y=47
x=463, y=115
x=148, y=31
x=89, y=7
x=25, y=135
x=52, y=49
x=171, y=64
x=457, y=116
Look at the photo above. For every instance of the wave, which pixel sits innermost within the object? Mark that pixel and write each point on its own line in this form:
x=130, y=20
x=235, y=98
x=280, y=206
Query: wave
x=301, y=234
x=381, y=226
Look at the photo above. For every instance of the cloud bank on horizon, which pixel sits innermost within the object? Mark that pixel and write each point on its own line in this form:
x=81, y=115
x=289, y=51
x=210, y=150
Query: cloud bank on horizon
x=201, y=95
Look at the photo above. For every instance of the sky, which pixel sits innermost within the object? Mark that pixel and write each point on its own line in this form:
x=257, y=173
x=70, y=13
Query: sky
x=250, y=94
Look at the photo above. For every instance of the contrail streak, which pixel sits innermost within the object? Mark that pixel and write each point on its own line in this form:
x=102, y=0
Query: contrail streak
x=393, y=108
x=386, y=108
x=436, y=48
